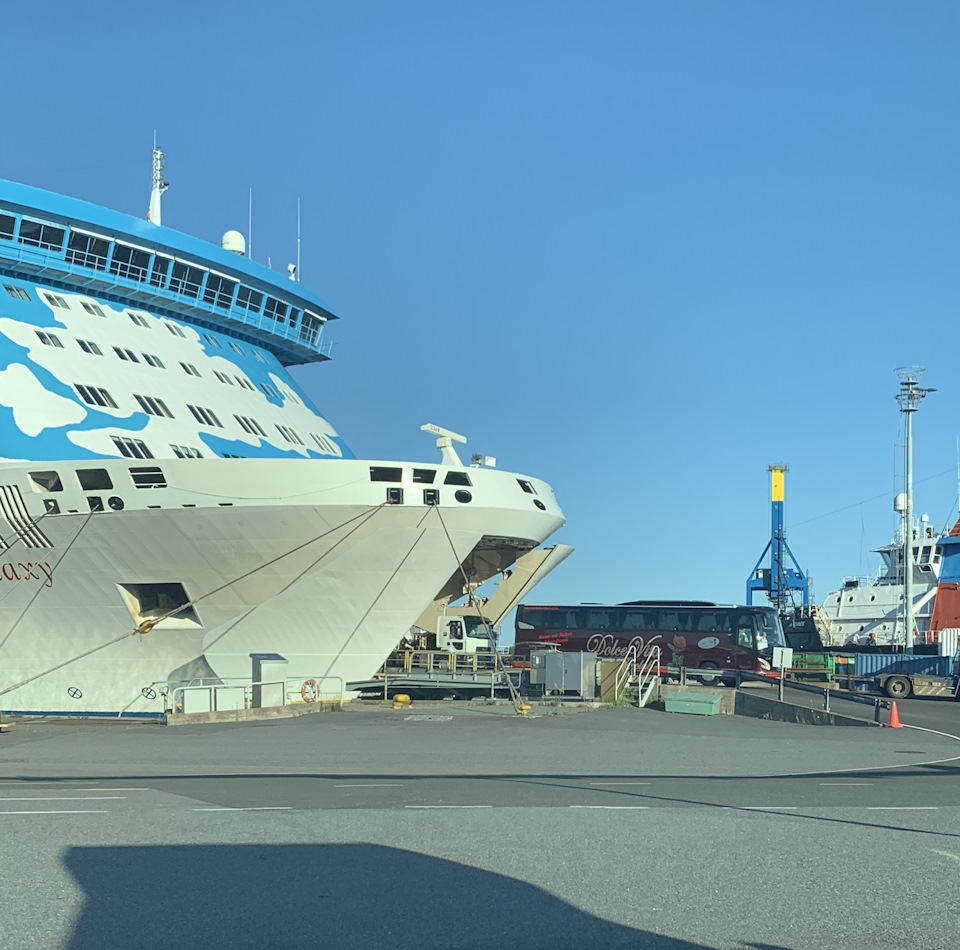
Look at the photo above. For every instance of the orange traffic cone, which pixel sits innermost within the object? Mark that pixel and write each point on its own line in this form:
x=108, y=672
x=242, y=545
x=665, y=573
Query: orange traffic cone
x=894, y=717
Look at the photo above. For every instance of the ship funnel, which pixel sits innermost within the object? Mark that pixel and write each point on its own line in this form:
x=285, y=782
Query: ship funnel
x=233, y=241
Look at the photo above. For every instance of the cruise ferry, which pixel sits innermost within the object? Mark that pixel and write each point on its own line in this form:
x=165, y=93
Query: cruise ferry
x=175, y=510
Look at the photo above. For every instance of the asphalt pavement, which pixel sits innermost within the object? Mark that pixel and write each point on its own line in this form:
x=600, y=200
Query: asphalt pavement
x=461, y=826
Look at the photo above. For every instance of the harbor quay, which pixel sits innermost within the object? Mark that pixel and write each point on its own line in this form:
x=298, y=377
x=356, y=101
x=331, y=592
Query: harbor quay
x=464, y=825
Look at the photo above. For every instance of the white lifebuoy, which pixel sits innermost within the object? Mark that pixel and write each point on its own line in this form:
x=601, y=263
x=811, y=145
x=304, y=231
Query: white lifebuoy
x=310, y=691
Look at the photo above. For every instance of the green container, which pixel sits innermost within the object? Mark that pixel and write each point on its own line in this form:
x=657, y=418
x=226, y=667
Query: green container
x=696, y=704
x=814, y=661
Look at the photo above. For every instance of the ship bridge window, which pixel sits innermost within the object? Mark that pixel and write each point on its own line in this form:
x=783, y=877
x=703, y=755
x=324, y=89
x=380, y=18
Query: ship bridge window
x=46, y=236
x=131, y=448
x=130, y=262
x=248, y=299
x=275, y=309
x=49, y=339
x=87, y=250
x=153, y=406
x=219, y=290
x=18, y=293
x=92, y=308
x=88, y=346
x=186, y=279
x=46, y=481
x=456, y=478
x=95, y=396
x=148, y=476
x=925, y=555
x=8, y=225
x=526, y=486
x=424, y=476
x=205, y=416
x=158, y=273
x=94, y=479
x=381, y=473
x=310, y=329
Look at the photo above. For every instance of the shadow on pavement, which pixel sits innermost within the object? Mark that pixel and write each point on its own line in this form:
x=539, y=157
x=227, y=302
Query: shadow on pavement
x=342, y=895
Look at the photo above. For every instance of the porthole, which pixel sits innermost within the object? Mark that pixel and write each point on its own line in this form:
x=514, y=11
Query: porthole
x=539, y=504
x=464, y=497
x=115, y=502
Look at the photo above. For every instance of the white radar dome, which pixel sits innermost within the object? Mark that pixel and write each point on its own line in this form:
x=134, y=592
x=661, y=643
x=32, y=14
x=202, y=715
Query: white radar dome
x=900, y=503
x=233, y=241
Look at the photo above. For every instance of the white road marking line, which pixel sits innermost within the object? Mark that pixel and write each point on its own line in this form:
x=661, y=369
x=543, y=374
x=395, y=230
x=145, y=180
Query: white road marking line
x=251, y=808
x=847, y=784
x=901, y=807
x=87, y=811
x=765, y=807
x=620, y=783
x=68, y=798
x=25, y=782
x=947, y=854
x=614, y=807
x=373, y=785
x=448, y=806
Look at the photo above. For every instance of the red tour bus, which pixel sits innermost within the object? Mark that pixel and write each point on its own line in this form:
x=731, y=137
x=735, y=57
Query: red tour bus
x=695, y=634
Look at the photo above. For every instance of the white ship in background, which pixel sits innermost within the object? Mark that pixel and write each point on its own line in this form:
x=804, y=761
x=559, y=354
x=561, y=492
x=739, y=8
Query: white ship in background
x=173, y=505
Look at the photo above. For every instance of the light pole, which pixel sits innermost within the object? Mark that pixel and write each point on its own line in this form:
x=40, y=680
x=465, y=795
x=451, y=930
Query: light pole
x=909, y=399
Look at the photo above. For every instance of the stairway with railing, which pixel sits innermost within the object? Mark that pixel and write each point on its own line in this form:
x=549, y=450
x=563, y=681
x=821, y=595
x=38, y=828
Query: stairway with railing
x=639, y=673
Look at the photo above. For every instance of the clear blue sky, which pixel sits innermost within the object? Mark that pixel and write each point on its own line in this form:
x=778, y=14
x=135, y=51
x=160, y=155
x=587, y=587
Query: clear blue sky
x=641, y=250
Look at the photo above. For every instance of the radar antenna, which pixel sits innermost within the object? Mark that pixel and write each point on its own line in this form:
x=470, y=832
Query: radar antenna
x=159, y=185
x=445, y=441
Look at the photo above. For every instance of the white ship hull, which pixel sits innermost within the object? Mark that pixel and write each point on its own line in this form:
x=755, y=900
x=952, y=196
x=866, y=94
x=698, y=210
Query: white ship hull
x=297, y=558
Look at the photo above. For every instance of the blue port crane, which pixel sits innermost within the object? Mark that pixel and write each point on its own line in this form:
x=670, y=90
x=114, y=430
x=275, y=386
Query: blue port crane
x=783, y=574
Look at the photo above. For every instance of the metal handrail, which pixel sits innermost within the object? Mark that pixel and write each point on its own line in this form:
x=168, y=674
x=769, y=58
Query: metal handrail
x=248, y=685
x=625, y=672
x=647, y=675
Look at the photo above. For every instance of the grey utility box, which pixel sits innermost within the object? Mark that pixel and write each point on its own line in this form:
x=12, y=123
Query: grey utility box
x=569, y=673
x=538, y=663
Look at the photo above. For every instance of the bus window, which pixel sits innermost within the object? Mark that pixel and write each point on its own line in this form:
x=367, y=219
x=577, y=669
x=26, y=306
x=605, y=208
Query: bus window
x=573, y=619
x=598, y=620
x=707, y=622
x=745, y=632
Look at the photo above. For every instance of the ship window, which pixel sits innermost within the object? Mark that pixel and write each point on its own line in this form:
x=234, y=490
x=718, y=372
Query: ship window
x=289, y=434
x=18, y=293
x=291, y=395
x=87, y=251
x=250, y=425
x=190, y=369
x=94, y=479
x=237, y=348
x=258, y=355
x=153, y=406
x=425, y=476
x=49, y=339
x=229, y=455
x=7, y=226
x=381, y=473
x=925, y=555
x=243, y=381
x=41, y=235
x=131, y=448
x=92, y=308
x=148, y=477
x=275, y=309
x=139, y=319
x=213, y=341
x=175, y=329
x=394, y=496
x=129, y=262
x=185, y=279
x=325, y=444
x=95, y=502
x=293, y=318
x=526, y=486
x=310, y=329
x=127, y=355
x=456, y=478
x=248, y=299
x=219, y=290
x=269, y=391
x=223, y=377
x=158, y=274
x=152, y=360
x=95, y=396
x=186, y=452
x=55, y=300
x=205, y=416
x=431, y=496
x=46, y=481
x=88, y=346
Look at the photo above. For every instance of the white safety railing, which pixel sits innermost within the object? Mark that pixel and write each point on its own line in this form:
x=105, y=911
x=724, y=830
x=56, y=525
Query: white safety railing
x=626, y=671
x=231, y=694
x=648, y=675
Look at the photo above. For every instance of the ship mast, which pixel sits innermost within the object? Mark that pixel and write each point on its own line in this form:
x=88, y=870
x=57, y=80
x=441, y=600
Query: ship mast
x=159, y=185
x=909, y=399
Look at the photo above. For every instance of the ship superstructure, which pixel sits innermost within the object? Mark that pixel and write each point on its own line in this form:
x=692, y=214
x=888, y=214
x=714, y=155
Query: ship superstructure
x=172, y=504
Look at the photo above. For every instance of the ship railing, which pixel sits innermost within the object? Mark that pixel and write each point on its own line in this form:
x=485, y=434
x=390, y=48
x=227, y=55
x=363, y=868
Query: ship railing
x=439, y=661
x=235, y=693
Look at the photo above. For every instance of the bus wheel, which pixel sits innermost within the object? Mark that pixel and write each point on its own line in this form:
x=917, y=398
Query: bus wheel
x=897, y=687
x=706, y=679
